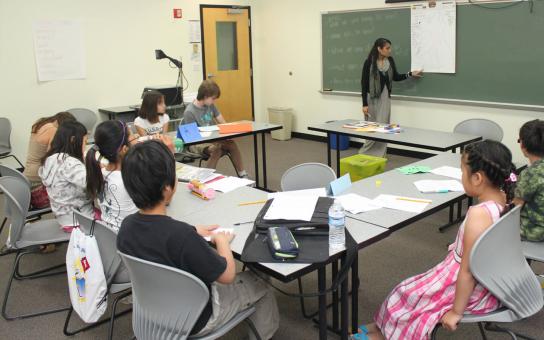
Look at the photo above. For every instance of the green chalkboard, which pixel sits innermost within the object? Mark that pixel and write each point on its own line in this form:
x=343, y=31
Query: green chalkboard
x=500, y=53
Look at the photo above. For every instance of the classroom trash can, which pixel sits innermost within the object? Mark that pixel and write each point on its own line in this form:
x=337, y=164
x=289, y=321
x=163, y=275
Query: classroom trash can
x=362, y=166
x=282, y=116
x=344, y=142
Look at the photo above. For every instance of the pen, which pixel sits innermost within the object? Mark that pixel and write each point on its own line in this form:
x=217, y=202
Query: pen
x=413, y=200
x=253, y=202
x=240, y=223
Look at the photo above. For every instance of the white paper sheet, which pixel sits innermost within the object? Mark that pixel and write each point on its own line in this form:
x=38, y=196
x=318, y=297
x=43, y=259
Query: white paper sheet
x=433, y=37
x=210, y=128
x=356, y=204
x=194, y=31
x=292, y=208
x=448, y=171
x=59, y=49
x=320, y=192
x=430, y=186
x=410, y=204
x=218, y=230
x=229, y=183
x=187, y=172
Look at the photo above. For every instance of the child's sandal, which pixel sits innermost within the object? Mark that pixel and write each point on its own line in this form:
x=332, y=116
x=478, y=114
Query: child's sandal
x=362, y=333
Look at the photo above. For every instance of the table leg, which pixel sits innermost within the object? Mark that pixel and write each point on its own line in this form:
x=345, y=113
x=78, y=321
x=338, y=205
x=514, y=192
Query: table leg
x=355, y=294
x=328, y=149
x=256, y=154
x=334, y=297
x=337, y=155
x=321, y=286
x=263, y=148
x=344, y=306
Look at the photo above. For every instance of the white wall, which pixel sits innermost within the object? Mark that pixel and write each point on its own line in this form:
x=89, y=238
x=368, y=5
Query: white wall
x=288, y=39
x=120, y=39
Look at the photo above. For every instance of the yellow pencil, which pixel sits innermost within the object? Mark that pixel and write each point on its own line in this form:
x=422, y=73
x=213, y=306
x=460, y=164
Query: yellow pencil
x=413, y=200
x=250, y=203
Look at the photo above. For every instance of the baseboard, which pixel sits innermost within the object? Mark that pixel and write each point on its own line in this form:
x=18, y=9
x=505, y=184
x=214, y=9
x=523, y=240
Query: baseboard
x=355, y=144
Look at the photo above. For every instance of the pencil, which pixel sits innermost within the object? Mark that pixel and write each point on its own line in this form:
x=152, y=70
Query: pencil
x=413, y=200
x=253, y=202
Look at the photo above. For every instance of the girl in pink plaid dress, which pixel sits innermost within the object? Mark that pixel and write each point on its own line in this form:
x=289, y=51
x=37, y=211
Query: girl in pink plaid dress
x=447, y=291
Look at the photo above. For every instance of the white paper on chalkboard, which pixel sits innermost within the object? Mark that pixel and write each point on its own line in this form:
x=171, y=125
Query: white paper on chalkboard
x=60, y=49
x=433, y=37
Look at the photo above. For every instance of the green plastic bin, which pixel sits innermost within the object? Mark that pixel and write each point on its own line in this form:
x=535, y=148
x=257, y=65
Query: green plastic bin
x=362, y=166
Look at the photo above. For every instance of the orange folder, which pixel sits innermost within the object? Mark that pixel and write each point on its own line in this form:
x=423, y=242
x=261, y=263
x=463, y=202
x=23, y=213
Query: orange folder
x=235, y=127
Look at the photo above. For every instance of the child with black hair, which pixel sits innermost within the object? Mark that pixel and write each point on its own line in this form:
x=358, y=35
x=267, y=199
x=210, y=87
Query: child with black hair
x=530, y=188
x=447, y=291
x=64, y=176
x=151, y=235
x=103, y=162
x=152, y=118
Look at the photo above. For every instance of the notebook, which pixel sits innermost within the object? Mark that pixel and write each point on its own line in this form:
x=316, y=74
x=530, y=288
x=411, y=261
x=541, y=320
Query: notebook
x=189, y=133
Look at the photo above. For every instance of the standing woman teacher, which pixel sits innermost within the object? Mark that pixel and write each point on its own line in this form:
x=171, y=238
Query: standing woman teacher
x=379, y=72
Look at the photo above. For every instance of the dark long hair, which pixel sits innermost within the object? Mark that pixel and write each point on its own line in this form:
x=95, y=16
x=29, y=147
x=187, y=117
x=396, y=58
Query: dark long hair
x=68, y=140
x=495, y=161
x=109, y=137
x=374, y=54
x=148, y=110
x=60, y=118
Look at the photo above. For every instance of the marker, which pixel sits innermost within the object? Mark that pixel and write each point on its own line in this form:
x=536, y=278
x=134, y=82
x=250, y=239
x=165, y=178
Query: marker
x=240, y=223
x=250, y=203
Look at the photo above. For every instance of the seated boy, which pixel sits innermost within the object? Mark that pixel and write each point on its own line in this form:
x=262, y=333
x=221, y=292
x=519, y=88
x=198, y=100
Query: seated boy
x=530, y=187
x=203, y=112
x=149, y=175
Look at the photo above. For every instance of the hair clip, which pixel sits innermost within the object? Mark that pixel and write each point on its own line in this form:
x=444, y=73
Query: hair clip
x=512, y=178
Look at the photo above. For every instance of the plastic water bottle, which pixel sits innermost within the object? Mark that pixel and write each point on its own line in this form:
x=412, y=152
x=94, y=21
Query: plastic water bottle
x=337, y=227
x=178, y=144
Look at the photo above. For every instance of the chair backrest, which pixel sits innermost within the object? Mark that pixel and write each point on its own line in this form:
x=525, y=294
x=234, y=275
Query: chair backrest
x=497, y=262
x=167, y=301
x=107, y=243
x=486, y=128
x=7, y=171
x=86, y=117
x=17, y=201
x=5, y=132
x=307, y=176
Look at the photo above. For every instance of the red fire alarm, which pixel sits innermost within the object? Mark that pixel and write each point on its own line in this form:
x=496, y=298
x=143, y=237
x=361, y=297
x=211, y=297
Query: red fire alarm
x=177, y=13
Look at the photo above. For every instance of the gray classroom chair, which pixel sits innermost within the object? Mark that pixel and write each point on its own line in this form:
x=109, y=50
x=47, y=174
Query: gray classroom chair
x=116, y=274
x=497, y=262
x=5, y=140
x=533, y=251
x=307, y=176
x=26, y=238
x=33, y=213
x=486, y=128
x=167, y=302
x=86, y=117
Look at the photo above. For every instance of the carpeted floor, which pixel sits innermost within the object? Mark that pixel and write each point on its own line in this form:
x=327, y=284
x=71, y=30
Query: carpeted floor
x=409, y=251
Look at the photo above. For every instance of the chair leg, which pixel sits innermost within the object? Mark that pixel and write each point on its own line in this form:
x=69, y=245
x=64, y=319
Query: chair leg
x=435, y=331
x=482, y=331
x=253, y=329
x=17, y=159
x=100, y=322
x=494, y=328
x=3, y=224
x=39, y=273
x=6, y=296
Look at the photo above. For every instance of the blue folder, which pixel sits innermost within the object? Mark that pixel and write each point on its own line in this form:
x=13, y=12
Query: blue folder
x=189, y=133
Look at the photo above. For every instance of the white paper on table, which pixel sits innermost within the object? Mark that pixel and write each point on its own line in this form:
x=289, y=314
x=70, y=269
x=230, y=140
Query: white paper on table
x=319, y=192
x=59, y=49
x=211, y=177
x=433, y=37
x=291, y=208
x=430, y=186
x=206, y=134
x=210, y=128
x=410, y=204
x=218, y=230
x=448, y=171
x=187, y=172
x=229, y=183
x=356, y=204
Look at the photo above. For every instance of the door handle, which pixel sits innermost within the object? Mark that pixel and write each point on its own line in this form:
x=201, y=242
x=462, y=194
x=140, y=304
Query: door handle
x=211, y=75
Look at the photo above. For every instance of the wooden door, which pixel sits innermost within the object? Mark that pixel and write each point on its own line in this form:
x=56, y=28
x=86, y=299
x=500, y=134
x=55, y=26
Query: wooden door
x=227, y=58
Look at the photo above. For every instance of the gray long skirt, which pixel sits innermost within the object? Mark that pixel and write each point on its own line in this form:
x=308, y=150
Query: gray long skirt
x=380, y=112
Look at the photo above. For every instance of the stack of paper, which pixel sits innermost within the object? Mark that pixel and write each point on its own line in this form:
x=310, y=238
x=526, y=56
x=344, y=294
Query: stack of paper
x=356, y=204
x=429, y=186
x=320, y=192
x=448, y=171
x=218, y=230
x=414, y=169
x=410, y=204
x=291, y=208
x=187, y=173
x=227, y=184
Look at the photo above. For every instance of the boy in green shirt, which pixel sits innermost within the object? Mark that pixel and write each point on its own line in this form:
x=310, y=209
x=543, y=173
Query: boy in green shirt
x=530, y=187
